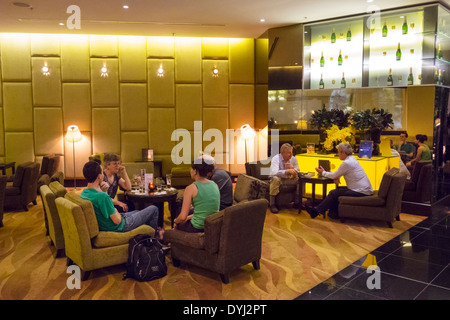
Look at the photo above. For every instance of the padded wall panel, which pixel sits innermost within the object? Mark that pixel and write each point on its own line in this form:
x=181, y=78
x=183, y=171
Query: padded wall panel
x=132, y=59
x=162, y=47
x=16, y=63
x=261, y=106
x=45, y=45
x=132, y=145
x=161, y=90
x=104, y=46
x=46, y=88
x=188, y=60
x=188, y=105
x=48, y=131
x=215, y=89
x=215, y=48
x=18, y=106
x=242, y=60
x=106, y=130
x=167, y=163
x=133, y=107
x=215, y=118
x=19, y=147
x=77, y=105
x=186, y=148
x=242, y=101
x=161, y=124
x=1, y=87
x=75, y=58
x=105, y=89
x=262, y=60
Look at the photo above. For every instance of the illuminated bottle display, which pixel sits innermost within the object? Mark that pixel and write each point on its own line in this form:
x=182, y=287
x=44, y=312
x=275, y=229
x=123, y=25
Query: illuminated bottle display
x=384, y=32
x=410, y=77
x=436, y=77
x=321, y=84
x=390, y=80
x=440, y=77
x=439, y=52
x=349, y=35
x=333, y=37
x=340, y=59
x=343, y=82
x=405, y=27
x=398, y=54
x=322, y=61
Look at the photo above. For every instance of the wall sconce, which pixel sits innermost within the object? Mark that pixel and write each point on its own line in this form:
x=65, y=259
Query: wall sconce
x=104, y=71
x=45, y=70
x=160, y=72
x=215, y=72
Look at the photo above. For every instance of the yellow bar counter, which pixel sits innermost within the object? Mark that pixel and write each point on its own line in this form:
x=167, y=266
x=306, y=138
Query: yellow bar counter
x=374, y=167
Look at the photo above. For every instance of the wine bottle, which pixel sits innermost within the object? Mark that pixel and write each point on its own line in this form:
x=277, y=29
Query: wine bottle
x=322, y=61
x=349, y=35
x=343, y=82
x=333, y=37
x=340, y=58
x=398, y=54
x=321, y=84
x=385, y=30
x=405, y=27
x=410, y=77
x=439, y=53
x=436, y=77
x=440, y=77
x=390, y=80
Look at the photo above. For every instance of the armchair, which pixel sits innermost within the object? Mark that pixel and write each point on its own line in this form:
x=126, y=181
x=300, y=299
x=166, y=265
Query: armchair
x=85, y=245
x=3, y=180
x=24, y=187
x=418, y=189
x=52, y=221
x=232, y=238
x=49, y=170
x=384, y=206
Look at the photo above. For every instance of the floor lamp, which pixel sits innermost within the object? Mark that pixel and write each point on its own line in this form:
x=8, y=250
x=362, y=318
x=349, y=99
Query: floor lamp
x=247, y=133
x=73, y=135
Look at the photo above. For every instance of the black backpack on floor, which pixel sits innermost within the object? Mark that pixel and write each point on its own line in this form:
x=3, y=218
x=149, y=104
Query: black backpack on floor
x=146, y=259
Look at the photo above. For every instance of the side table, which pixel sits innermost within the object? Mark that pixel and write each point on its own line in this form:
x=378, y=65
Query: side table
x=303, y=179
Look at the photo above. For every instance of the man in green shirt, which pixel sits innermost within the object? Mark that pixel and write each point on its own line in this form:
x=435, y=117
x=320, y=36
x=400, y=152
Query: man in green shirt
x=108, y=218
x=406, y=148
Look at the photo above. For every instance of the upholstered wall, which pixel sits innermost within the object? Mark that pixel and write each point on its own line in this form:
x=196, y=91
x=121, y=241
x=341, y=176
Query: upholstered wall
x=129, y=109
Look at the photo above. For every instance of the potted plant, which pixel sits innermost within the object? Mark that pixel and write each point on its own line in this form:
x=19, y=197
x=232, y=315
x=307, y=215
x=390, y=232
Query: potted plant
x=370, y=123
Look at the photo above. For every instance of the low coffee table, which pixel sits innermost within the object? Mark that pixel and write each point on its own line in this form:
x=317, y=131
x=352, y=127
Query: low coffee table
x=302, y=179
x=143, y=200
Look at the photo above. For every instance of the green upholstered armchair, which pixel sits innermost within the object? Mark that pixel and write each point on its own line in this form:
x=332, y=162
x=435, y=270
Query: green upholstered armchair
x=85, y=245
x=384, y=206
x=232, y=238
x=24, y=187
x=53, y=223
x=3, y=180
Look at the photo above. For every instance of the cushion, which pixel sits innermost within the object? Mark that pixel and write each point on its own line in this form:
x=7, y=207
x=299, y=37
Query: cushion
x=242, y=188
x=111, y=239
x=58, y=189
x=88, y=210
x=368, y=201
x=258, y=190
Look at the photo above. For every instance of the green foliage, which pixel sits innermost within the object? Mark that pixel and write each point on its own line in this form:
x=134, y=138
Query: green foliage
x=324, y=119
x=375, y=119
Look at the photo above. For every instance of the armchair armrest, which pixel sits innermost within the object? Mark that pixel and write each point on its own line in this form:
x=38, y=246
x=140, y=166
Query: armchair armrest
x=111, y=239
x=213, y=228
x=368, y=201
x=193, y=240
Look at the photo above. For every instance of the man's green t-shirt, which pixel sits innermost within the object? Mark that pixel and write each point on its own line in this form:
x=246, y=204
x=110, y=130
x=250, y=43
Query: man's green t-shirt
x=103, y=208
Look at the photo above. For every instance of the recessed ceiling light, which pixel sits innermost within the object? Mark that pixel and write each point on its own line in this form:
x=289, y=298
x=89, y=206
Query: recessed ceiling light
x=61, y=24
x=262, y=20
x=369, y=1
x=125, y=7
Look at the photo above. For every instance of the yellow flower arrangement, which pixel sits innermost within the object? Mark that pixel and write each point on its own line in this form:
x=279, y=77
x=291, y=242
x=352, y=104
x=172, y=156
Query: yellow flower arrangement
x=336, y=136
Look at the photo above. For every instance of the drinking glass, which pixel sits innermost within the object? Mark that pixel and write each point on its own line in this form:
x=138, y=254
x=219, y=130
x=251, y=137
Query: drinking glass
x=169, y=181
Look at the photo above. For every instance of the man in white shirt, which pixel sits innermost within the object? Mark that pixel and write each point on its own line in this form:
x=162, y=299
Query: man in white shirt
x=283, y=170
x=358, y=184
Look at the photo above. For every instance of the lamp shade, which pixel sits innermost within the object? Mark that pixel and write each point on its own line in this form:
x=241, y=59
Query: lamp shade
x=247, y=132
x=73, y=134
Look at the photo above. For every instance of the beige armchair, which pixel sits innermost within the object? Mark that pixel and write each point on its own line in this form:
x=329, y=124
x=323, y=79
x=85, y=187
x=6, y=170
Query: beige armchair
x=24, y=187
x=384, y=206
x=232, y=238
x=53, y=223
x=85, y=245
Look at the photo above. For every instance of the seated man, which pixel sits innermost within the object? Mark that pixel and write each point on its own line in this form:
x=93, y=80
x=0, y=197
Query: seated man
x=283, y=170
x=358, y=184
x=108, y=218
x=405, y=148
x=223, y=181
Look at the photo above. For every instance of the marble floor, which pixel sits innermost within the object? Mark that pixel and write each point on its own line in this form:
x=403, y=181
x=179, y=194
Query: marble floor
x=414, y=265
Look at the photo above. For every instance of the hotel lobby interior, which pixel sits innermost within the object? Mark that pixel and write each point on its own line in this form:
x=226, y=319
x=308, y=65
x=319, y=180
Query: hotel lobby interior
x=133, y=76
